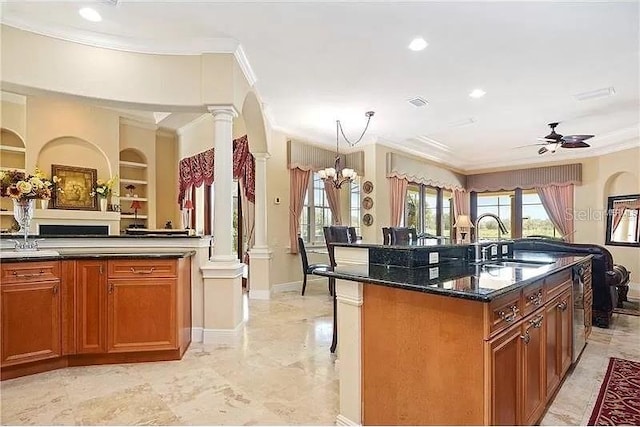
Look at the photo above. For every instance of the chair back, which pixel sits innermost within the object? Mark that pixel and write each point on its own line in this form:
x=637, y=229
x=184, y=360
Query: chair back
x=303, y=255
x=400, y=235
x=386, y=236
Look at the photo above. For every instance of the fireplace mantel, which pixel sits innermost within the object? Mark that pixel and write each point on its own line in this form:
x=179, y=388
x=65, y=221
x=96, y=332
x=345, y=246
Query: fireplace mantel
x=75, y=217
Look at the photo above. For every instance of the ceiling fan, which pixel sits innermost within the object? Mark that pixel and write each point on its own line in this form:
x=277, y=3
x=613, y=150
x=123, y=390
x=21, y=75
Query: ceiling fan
x=554, y=140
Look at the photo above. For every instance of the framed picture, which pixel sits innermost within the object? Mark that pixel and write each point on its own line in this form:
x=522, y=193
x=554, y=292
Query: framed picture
x=367, y=219
x=367, y=187
x=367, y=203
x=74, y=188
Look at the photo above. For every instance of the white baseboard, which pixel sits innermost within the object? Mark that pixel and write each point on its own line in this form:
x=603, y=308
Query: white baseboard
x=295, y=286
x=256, y=294
x=223, y=336
x=196, y=334
x=634, y=290
x=341, y=420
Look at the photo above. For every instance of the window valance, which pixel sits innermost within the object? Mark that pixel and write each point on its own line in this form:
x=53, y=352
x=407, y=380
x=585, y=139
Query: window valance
x=308, y=157
x=198, y=169
x=526, y=178
x=421, y=172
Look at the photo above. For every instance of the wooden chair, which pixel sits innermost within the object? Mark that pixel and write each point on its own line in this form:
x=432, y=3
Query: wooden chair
x=306, y=267
x=386, y=236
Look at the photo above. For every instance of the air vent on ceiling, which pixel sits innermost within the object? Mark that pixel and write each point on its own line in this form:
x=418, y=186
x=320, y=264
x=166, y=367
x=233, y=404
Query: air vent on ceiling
x=598, y=93
x=418, y=102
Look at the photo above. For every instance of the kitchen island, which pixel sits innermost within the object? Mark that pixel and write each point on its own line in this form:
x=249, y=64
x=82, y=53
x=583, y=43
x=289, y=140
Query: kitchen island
x=71, y=308
x=435, y=339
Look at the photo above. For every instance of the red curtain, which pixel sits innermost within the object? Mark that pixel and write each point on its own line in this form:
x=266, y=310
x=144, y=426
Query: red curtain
x=198, y=169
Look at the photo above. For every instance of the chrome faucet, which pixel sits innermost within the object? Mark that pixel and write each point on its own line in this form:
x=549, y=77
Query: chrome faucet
x=501, y=225
x=479, y=254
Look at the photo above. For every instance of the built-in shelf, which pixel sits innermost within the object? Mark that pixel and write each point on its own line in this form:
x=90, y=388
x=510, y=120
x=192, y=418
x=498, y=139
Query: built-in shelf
x=13, y=148
x=133, y=181
x=140, y=199
x=130, y=216
x=133, y=164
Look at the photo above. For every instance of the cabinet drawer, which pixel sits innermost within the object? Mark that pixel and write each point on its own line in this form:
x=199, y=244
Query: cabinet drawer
x=142, y=268
x=533, y=298
x=30, y=271
x=504, y=312
x=558, y=283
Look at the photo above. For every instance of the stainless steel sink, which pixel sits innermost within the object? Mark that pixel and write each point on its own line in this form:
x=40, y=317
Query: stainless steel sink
x=516, y=263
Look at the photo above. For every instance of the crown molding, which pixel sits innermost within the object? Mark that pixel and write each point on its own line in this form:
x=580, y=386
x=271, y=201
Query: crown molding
x=181, y=130
x=136, y=122
x=13, y=98
x=245, y=66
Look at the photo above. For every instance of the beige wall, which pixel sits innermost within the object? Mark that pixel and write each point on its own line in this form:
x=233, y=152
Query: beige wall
x=604, y=176
x=13, y=115
x=167, y=180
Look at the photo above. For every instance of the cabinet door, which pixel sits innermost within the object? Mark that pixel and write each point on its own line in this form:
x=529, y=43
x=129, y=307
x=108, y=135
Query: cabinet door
x=91, y=308
x=566, y=331
x=141, y=315
x=30, y=322
x=505, y=377
x=534, y=385
x=554, y=343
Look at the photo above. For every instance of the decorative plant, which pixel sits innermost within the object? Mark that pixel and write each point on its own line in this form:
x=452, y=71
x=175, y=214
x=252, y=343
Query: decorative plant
x=22, y=186
x=104, y=188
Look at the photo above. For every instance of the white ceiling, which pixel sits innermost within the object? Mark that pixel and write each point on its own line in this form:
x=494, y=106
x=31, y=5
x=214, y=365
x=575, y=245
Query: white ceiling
x=322, y=61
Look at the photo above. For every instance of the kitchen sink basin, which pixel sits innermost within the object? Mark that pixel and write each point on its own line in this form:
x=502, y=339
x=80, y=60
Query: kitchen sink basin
x=517, y=263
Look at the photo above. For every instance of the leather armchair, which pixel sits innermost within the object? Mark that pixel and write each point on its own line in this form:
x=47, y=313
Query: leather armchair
x=607, y=276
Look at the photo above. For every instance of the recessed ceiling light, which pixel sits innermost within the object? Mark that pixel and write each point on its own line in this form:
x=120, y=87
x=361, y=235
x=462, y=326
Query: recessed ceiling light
x=418, y=44
x=90, y=14
x=477, y=93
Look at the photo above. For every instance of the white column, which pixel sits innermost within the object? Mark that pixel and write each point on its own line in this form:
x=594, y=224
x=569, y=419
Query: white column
x=261, y=200
x=222, y=277
x=223, y=183
x=260, y=255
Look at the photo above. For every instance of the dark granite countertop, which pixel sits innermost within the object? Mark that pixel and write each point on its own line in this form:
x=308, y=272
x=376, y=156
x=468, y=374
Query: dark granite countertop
x=66, y=255
x=480, y=282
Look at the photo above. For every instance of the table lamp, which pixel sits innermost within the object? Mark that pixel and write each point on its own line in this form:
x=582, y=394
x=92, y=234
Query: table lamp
x=135, y=205
x=186, y=219
x=463, y=225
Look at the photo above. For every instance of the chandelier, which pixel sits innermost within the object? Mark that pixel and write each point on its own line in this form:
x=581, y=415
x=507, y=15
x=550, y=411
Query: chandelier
x=337, y=175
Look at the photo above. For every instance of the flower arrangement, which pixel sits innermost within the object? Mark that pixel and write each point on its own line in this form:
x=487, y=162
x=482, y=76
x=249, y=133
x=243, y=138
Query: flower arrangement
x=104, y=188
x=22, y=186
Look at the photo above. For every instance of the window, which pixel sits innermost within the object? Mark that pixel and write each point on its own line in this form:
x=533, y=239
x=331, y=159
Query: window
x=354, y=200
x=498, y=204
x=535, y=221
x=316, y=213
x=428, y=210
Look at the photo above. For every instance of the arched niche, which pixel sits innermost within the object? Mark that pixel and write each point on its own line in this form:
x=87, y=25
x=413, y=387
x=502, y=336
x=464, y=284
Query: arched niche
x=254, y=124
x=13, y=150
x=621, y=183
x=73, y=151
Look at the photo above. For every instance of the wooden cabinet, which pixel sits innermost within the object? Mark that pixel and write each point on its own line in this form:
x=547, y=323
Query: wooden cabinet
x=142, y=314
x=30, y=321
x=91, y=306
x=505, y=377
x=91, y=311
x=559, y=339
x=533, y=369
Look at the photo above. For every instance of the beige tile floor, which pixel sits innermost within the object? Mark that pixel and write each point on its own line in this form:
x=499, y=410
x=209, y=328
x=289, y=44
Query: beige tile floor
x=281, y=373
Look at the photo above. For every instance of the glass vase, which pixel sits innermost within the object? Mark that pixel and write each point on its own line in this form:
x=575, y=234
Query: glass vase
x=23, y=213
x=103, y=204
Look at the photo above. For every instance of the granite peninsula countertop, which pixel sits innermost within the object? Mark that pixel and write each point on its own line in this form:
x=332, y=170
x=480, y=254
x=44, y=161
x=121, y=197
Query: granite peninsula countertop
x=47, y=255
x=460, y=279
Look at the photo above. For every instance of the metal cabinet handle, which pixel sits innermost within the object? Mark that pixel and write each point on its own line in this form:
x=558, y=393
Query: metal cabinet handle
x=511, y=316
x=134, y=271
x=562, y=306
x=526, y=338
x=537, y=322
x=110, y=288
x=536, y=299
x=27, y=276
x=55, y=289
